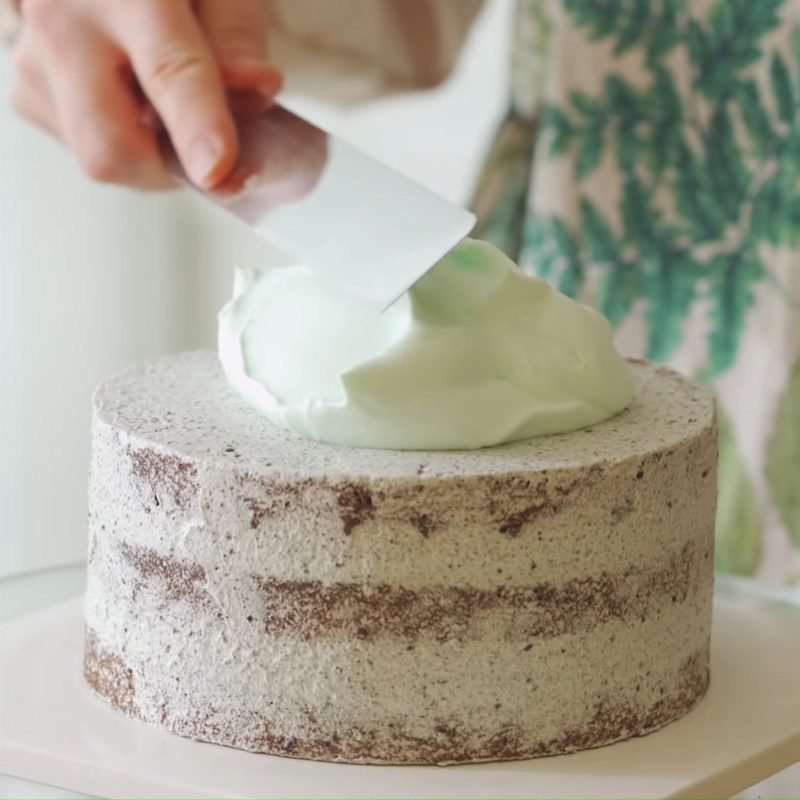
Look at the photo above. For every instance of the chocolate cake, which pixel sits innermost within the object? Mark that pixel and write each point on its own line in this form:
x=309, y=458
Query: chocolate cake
x=255, y=589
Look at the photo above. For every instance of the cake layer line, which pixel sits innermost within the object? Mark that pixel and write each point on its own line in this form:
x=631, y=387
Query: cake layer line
x=610, y=720
x=308, y=609
x=537, y=527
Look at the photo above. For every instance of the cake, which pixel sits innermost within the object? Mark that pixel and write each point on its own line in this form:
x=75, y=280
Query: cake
x=256, y=589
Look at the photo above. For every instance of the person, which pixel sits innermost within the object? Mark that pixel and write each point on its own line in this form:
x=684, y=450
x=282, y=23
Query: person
x=649, y=164
x=98, y=74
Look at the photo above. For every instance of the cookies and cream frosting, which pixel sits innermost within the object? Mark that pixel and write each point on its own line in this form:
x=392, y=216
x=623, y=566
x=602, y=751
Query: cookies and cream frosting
x=476, y=354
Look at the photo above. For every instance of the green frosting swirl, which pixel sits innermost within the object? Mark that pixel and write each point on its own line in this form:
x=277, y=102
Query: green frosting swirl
x=476, y=354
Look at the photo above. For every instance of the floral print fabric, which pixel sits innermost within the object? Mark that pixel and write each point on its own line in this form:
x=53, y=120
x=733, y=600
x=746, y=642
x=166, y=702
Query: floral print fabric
x=650, y=165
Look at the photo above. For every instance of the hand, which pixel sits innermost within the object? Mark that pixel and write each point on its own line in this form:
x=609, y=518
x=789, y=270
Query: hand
x=282, y=159
x=93, y=72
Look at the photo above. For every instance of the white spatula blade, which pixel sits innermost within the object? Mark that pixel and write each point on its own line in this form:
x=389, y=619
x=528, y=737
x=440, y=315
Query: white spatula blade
x=353, y=220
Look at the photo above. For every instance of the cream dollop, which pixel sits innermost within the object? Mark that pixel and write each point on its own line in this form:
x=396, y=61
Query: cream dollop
x=476, y=354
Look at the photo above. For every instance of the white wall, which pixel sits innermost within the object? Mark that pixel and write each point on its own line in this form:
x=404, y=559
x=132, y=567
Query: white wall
x=91, y=279
x=94, y=278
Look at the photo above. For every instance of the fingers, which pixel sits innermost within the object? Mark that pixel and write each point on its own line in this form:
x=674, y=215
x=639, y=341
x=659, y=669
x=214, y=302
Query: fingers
x=68, y=81
x=179, y=74
x=246, y=104
x=237, y=29
x=98, y=116
x=71, y=80
x=237, y=32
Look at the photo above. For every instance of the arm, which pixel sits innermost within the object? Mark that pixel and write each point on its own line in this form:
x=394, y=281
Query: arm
x=97, y=73
x=353, y=50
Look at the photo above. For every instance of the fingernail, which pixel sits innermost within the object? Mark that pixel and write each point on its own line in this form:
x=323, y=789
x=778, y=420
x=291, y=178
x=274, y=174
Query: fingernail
x=204, y=156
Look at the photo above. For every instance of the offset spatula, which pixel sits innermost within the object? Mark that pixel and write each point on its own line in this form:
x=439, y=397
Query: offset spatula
x=353, y=220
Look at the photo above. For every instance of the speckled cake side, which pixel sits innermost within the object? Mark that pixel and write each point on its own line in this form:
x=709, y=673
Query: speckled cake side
x=254, y=589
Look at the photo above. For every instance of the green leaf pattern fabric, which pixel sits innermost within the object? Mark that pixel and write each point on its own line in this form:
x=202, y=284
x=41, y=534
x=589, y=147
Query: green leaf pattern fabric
x=739, y=547
x=783, y=457
x=650, y=165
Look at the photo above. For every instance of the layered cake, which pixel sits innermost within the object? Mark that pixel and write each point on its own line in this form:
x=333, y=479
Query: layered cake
x=252, y=588
x=547, y=591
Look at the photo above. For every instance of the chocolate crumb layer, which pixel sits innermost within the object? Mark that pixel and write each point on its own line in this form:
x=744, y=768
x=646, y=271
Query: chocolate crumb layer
x=160, y=474
x=108, y=675
x=311, y=609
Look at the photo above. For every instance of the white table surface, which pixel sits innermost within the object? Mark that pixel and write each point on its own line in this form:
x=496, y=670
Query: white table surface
x=747, y=728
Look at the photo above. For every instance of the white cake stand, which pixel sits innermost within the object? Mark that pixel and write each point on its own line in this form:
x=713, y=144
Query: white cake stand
x=747, y=728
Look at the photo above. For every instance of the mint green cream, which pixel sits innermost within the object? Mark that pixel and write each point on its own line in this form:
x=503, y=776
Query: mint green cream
x=476, y=354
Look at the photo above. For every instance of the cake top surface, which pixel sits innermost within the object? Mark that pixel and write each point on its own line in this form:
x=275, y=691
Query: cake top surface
x=182, y=404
